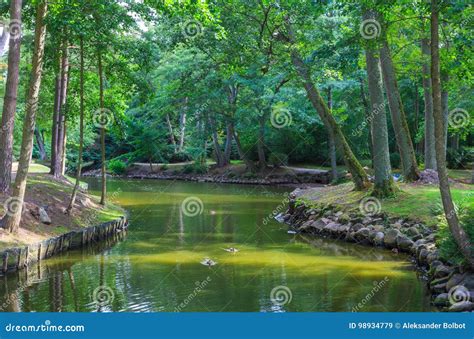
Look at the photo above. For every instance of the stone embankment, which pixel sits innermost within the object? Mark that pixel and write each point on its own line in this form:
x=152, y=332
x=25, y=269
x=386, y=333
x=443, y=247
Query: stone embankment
x=452, y=287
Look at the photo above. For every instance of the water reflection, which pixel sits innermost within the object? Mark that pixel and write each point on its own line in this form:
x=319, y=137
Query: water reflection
x=157, y=267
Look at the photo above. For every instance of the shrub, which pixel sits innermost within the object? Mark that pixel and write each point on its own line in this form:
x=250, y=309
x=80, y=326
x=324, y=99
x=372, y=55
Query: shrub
x=179, y=157
x=278, y=159
x=195, y=168
x=447, y=245
x=457, y=159
x=117, y=166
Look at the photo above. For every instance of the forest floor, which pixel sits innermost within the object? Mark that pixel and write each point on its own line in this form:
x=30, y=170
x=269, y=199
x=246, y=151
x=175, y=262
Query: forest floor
x=53, y=195
x=413, y=200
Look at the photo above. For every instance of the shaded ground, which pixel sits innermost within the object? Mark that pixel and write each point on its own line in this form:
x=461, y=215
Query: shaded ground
x=53, y=195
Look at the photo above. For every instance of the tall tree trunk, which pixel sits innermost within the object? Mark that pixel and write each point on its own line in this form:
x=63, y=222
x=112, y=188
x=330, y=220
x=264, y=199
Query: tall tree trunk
x=228, y=143
x=332, y=141
x=430, y=153
x=359, y=177
x=10, y=99
x=11, y=221
x=248, y=162
x=102, y=132
x=367, y=115
x=81, y=128
x=171, y=132
x=182, y=125
x=383, y=180
x=445, y=103
x=262, y=163
x=418, y=146
x=399, y=122
x=40, y=143
x=459, y=235
x=55, y=124
x=215, y=140
x=61, y=154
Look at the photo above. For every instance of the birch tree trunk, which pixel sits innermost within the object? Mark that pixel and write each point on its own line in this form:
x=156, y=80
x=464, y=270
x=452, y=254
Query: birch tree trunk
x=10, y=99
x=11, y=221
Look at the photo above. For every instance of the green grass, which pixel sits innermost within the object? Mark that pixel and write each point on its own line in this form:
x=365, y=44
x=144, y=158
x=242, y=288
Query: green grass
x=413, y=201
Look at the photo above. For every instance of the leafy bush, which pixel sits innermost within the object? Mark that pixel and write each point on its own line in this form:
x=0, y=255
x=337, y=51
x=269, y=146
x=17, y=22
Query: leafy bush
x=179, y=157
x=164, y=167
x=447, y=245
x=195, y=168
x=457, y=159
x=278, y=159
x=117, y=166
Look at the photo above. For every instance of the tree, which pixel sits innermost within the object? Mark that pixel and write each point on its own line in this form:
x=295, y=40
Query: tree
x=10, y=101
x=383, y=186
x=102, y=130
x=81, y=129
x=11, y=221
x=457, y=231
x=359, y=177
x=430, y=155
x=399, y=121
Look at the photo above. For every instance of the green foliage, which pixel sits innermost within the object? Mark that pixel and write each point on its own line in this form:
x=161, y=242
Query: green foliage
x=459, y=159
x=195, y=168
x=446, y=243
x=395, y=160
x=117, y=166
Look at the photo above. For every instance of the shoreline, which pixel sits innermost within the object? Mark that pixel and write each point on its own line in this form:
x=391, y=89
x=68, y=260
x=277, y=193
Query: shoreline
x=21, y=257
x=322, y=178
x=451, y=286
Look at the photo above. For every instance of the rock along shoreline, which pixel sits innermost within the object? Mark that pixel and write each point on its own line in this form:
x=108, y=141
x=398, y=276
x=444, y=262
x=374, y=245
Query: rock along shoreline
x=301, y=178
x=451, y=287
x=18, y=258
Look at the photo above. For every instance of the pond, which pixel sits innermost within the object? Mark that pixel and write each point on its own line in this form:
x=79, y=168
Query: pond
x=174, y=226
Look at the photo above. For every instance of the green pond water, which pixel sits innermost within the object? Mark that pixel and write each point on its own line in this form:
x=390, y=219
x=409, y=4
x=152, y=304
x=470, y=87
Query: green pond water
x=175, y=225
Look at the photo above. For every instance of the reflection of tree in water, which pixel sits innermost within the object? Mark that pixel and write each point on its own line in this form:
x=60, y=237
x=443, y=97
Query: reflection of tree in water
x=23, y=291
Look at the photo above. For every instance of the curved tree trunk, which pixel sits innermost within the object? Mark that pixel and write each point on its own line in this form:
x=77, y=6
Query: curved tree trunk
x=383, y=186
x=11, y=221
x=359, y=177
x=10, y=100
x=40, y=144
x=228, y=143
x=459, y=235
x=430, y=153
x=399, y=122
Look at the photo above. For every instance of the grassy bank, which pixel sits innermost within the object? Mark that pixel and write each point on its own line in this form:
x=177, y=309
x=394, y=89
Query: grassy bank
x=53, y=195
